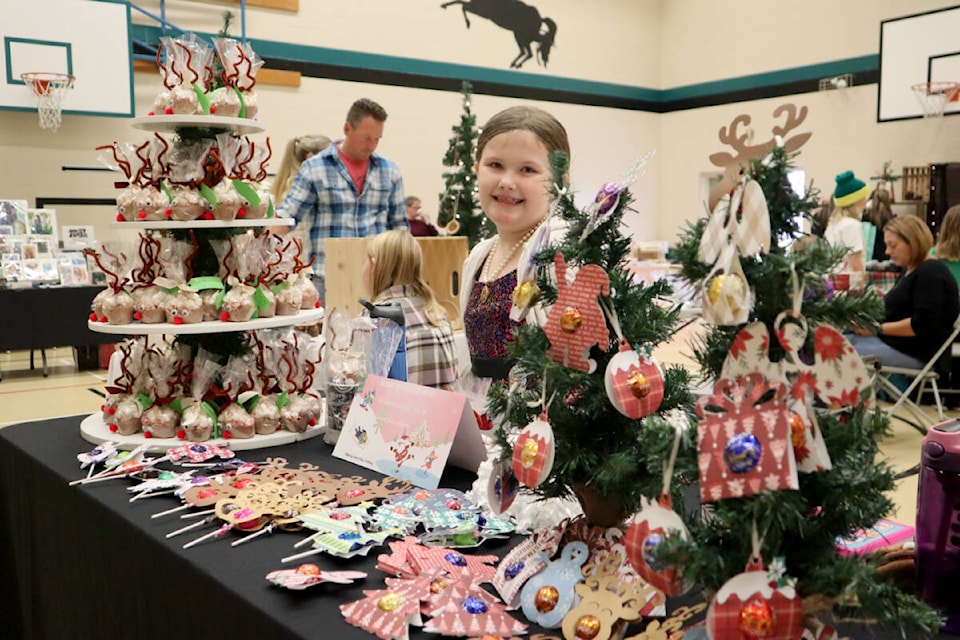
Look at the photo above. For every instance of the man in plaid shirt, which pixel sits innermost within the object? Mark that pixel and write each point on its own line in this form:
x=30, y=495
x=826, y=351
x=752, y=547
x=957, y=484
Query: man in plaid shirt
x=347, y=190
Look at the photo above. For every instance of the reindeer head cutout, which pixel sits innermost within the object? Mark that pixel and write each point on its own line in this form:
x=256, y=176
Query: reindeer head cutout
x=732, y=165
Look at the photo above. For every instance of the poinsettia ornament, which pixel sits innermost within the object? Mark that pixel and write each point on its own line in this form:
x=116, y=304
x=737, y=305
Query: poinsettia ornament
x=756, y=605
x=533, y=452
x=634, y=384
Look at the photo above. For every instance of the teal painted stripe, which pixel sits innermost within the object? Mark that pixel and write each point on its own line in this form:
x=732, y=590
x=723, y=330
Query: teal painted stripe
x=428, y=68
x=773, y=78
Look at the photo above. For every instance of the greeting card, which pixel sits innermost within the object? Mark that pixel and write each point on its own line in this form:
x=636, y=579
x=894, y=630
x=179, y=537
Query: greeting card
x=409, y=431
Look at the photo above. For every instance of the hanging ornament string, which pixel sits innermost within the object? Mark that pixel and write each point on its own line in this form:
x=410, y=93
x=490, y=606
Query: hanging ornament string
x=669, y=463
x=487, y=275
x=614, y=320
x=797, y=291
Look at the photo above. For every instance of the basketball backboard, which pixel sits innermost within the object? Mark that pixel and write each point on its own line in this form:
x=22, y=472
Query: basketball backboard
x=914, y=49
x=85, y=38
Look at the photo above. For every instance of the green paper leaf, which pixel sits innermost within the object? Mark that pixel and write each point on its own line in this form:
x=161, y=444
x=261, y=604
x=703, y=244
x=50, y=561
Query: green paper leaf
x=243, y=103
x=271, y=212
x=247, y=192
x=177, y=406
x=205, y=282
x=208, y=195
x=252, y=403
x=166, y=190
x=212, y=412
x=260, y=299
x=172, y=291
x=202, y=98
x=277, y=288
x=218, y=299
x=283, y=400
x=144, y=400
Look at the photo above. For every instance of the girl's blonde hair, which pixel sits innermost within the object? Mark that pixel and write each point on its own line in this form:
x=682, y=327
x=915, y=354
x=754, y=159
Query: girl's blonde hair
x=948, y=241
x=399, y=261
x=293, y=156
x=853, y=211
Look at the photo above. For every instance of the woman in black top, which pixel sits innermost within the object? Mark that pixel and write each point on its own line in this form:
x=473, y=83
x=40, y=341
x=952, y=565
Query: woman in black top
x=920, y=309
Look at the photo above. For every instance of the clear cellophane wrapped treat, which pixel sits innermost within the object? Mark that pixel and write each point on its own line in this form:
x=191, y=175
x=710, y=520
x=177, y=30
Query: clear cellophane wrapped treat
x=122, y=373
x=149, y=300
x=239, y=303
x=245, y=166
x=113, y=305
x=258, y=261
x=198, y=422
x=240, y=66
x=126, y=420
x=191, y=199
x=342, y=370
x=184, y=64
x=141, y=198
x=183, y=304
x=167, y=368
x=237, y=381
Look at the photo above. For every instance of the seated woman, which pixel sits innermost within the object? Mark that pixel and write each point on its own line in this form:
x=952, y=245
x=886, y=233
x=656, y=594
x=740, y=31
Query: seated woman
x=392, y=273
x=921, y=307
x=947, y=250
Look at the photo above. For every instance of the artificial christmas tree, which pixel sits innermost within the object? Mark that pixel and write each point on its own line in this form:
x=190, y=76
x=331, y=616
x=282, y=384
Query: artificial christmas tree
x=459, y=211
x=826, y=412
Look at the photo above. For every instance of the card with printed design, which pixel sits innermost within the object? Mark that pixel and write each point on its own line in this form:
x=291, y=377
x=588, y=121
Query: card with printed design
x=410, y=431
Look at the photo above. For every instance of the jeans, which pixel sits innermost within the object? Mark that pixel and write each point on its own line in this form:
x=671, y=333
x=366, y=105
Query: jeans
x=874, y=346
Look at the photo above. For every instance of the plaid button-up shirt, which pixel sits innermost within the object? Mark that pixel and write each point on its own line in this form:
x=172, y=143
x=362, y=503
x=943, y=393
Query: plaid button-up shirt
x=324, y=196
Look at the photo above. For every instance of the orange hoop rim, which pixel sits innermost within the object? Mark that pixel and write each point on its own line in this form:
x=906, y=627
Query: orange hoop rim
x=950, y=89
x=42, y=81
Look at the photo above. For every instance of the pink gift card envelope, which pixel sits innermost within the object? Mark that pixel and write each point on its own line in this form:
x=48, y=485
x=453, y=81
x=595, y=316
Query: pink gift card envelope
x=409, y=431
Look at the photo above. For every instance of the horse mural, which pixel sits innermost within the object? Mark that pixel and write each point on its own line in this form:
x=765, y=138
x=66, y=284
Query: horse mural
x=521, y=18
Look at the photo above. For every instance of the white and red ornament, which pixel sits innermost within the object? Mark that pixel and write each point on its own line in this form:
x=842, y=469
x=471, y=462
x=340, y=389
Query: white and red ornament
x=752, y=606
x=646, y=530
x=634, y=384
x=533, y=452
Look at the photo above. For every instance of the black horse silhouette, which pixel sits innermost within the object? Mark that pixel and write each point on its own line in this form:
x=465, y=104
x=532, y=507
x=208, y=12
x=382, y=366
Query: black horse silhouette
x=521, y=18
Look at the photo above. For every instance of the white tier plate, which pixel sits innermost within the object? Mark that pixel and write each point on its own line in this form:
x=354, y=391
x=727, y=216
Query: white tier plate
x=170, y=124
x=94, y=430
x=218, y=326
x=204, y=224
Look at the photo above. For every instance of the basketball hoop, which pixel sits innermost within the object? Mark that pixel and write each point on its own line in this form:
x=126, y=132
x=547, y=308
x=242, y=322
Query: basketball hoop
x=933, y=96
x=49, y=89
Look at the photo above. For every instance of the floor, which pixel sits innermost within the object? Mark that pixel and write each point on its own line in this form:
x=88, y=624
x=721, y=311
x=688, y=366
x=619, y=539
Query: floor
x=26, y=395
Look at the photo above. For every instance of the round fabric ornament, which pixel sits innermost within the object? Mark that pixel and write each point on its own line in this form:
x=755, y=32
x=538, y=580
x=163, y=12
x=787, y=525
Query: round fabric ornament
x=634, y=385
x=502, y=488
x=742, y=452
x=756, y=605
x=533, y=452
x=646, y=530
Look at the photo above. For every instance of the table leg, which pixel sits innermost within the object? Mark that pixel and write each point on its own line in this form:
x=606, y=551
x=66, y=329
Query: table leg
x=43, y=359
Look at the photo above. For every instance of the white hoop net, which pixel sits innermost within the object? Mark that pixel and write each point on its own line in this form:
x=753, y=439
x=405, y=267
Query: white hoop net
x=49, y=89
x=933, y=96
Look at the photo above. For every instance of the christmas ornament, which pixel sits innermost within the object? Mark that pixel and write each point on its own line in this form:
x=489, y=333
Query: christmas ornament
x=533, y=452
x=606, y=602
x=634, y=384
x=605, y=203
x=523, y=561
x=743, y=439
x=725, y=295
x=646, y=530
x=527, y=293
x=307, y=575
x=547, y=596
x=576, y=322
x=741, y=219
x=503, y=487
x=756, y=605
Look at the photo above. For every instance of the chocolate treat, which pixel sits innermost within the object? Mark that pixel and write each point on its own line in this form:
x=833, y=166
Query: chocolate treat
x=238, y=304
x=184, y=308
x=266, y=415
x=149, y=304
x=235, y=421
x=197, y=425
x=127, y=417
x=160, y=422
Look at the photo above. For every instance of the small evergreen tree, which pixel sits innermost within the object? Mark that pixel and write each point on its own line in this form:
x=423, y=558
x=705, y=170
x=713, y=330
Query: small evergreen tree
x=458, y=202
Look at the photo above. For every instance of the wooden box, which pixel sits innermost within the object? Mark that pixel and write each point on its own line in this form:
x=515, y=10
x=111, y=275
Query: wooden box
x=442, y=264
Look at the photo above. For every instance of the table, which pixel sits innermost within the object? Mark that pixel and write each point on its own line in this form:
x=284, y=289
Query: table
x=84, y=562
x=44, y=317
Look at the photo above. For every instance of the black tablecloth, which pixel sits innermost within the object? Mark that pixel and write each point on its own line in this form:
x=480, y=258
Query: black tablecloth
x=44, y=317
x=83, y=562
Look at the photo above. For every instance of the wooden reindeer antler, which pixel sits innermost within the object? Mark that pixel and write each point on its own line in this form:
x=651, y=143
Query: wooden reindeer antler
x=734, y=164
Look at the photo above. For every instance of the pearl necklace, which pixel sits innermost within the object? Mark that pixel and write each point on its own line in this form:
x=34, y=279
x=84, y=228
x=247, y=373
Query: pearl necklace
x=486, y=275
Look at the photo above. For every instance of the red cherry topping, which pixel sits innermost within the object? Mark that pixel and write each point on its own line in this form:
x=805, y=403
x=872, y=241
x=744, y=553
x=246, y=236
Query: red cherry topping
x=206, y=215
x=141, y=214
x=241, y=213
x=225, y=316
x=312, y=422
x=114, y=428
x=168, y=111
x=213, y=109
x=103, y=318
x=93, y=317
x=111, y=411
x=138, y=316
x=318, y=304
x=182, y=434
x=168, y=212
x=178, y=320
x=148, y=434
x=227, y=435
x=120, y=217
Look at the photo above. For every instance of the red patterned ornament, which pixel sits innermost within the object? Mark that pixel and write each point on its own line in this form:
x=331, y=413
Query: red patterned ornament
x=646, y=530
x=634, y=385
x=533, y=452
x=576, y=322
x=751, y=606
x=570, y=320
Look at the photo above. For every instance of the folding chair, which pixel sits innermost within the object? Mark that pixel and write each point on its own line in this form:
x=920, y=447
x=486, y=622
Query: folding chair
x=938, y=364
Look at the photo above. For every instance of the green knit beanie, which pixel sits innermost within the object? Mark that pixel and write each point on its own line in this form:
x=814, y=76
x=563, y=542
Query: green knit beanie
x=849, y=190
